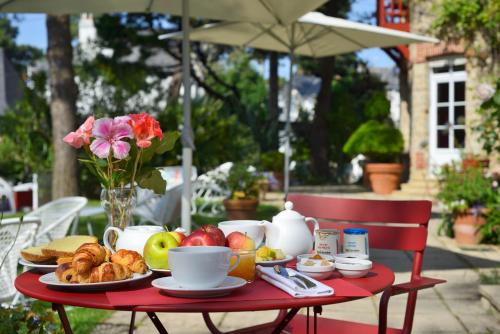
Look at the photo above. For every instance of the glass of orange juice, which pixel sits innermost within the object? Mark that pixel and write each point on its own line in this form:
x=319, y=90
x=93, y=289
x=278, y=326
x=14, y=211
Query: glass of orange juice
x=246, y=268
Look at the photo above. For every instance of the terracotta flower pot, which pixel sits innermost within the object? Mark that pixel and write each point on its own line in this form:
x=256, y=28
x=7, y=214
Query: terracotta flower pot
x=466, y=228
x=384, y=177
x=474, y=163
x=241, y=208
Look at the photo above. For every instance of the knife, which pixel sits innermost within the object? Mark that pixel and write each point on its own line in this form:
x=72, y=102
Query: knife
x=283, y=272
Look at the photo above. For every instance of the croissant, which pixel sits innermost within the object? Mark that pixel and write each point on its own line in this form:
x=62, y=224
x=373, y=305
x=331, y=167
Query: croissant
x=131, y=259
x=65, y=272
x=87, y=256
x=65, y=259
x=108, y=272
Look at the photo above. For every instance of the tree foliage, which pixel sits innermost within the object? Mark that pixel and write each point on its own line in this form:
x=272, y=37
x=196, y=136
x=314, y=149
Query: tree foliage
x=470, y=20
x=489, y=126
x=219, y=138
x=25, y=140
x=20, y=55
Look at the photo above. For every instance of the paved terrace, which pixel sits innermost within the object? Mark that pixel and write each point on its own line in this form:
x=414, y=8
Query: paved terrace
x=454, y=307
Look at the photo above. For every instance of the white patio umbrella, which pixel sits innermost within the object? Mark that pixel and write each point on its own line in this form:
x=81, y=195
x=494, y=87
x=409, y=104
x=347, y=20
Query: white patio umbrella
x=263, y=11
x=312, y=35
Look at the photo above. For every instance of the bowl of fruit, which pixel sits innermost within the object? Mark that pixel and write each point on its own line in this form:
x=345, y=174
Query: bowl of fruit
x=268, y=257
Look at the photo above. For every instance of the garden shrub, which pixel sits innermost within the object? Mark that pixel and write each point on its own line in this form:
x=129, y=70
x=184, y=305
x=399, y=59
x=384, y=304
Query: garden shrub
x=379, y=141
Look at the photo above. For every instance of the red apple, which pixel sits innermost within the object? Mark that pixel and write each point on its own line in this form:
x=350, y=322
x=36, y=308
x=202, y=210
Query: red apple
x=216, y=234
x=179, y=236
x=238, y=240
x=199, y=238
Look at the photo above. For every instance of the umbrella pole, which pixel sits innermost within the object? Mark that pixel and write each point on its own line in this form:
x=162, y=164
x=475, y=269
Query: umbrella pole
x=288, y=152
x=187, y=142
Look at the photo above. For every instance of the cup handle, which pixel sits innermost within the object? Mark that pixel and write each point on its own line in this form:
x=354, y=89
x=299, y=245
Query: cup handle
x=236, y=264
x=106, y=235
x=316, y=224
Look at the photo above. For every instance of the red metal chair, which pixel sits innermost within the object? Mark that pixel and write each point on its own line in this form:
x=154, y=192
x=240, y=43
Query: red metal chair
x=410, y=234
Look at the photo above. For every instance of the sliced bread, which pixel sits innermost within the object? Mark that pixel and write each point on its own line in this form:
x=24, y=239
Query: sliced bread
x=67, y=246
x=34, y=254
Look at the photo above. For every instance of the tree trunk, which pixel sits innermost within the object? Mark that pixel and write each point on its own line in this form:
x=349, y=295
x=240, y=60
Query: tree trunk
x=273, y=84
x=63, y=94
x=319, y=143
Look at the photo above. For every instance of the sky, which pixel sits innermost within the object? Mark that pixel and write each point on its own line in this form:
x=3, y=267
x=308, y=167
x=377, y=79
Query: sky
x=32, y=31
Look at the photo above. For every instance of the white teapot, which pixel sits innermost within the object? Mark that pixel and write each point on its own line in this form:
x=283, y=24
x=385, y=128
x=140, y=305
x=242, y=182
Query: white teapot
x=132, y=238
x=289, y=232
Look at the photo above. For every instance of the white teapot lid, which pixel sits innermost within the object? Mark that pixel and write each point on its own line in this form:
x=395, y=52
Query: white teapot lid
x=288, y=213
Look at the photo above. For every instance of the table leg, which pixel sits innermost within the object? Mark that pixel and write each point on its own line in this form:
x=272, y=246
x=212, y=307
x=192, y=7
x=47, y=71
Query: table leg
x=157, y=323
x=64, y=318
x=132, y=323
x=316, y=309
x=289, y=316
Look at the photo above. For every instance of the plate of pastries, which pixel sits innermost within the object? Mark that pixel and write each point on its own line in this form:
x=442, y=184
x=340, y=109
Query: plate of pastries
x=93, y=266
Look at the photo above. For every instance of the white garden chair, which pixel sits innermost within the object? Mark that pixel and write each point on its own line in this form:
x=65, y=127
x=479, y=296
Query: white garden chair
x=162, y=209
x=56, y=217
x=10, y=247
x=6, y=190
x=208, y=194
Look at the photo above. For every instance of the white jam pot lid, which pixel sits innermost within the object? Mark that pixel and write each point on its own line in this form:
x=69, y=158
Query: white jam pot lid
x=288, y=214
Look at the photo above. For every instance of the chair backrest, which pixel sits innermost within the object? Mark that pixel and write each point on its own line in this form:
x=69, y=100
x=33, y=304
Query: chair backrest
x=158, y=209
x=56, y=217
x=10, y=247
x=393, y=225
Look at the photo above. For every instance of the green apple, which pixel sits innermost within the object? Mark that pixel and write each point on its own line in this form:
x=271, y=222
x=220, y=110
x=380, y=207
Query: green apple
x=156, y=249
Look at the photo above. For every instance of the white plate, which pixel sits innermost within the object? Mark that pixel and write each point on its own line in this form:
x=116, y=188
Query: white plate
x=169, y=286
x=51, y=280
x=164, y=272
x=287, y=259
x=43, y=268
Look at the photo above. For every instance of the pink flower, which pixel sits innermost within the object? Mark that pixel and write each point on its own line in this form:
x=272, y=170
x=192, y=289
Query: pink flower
x=108, y=134
x=81, y=136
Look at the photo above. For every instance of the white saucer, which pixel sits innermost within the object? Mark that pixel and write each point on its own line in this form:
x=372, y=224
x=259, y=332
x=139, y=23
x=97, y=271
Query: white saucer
x=287, y=259
x=169, y=286
x=40, y=267
x=51, y=280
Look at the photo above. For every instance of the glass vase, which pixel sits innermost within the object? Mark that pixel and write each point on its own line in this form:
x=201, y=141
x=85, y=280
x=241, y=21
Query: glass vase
x=118, y=204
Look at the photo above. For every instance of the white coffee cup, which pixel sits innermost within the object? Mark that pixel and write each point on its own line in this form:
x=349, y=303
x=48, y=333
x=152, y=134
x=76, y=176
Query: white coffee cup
x=252, y=228
x=201, y=267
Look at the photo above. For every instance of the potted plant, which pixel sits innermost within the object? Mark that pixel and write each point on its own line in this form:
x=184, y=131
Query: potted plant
x=243, y=192
x=274, y=161
x=469, y=198
x=382, y=144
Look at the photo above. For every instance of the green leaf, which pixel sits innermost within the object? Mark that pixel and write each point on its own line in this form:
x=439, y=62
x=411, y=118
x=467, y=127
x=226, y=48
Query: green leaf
x=153, y=181
x=168, y=142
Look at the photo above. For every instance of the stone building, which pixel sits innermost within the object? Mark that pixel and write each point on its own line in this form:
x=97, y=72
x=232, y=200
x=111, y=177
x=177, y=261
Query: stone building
x=439, y=101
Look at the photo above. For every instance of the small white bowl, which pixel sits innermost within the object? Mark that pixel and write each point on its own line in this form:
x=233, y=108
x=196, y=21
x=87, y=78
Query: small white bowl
x=316, y=272
x=354, y=270
x=350, y=257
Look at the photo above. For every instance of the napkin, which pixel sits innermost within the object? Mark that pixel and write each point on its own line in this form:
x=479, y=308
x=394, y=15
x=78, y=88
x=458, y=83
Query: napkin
x=269, y=275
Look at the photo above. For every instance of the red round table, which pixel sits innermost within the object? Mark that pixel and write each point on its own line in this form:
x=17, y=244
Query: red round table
x=379, y=278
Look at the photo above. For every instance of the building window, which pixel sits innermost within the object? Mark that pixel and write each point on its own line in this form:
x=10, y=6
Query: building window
x=449, y=106
x=447, y=116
